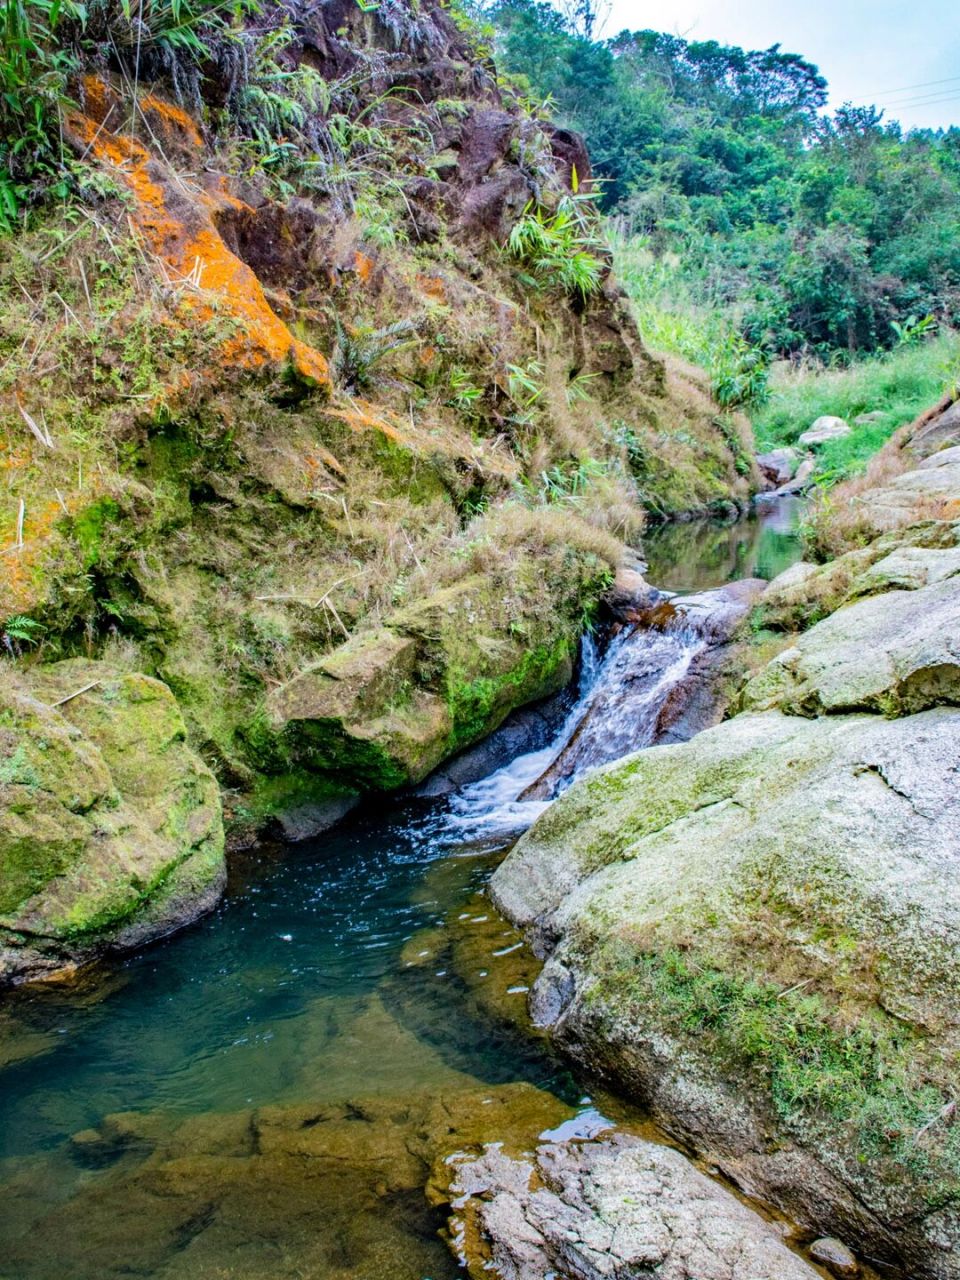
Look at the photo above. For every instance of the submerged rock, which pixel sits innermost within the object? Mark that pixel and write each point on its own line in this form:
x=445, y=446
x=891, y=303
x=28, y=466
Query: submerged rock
x=836, y=1257
x=323, y=1189
x=110, y=825
x=616, y=1207
x=754, y=934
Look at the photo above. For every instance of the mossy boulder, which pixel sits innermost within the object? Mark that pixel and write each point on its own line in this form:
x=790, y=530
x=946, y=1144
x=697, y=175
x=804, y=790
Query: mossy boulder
x=110, y=825
x=897, y=652
x=754, y=933
x=903, y=560
x=390, y=704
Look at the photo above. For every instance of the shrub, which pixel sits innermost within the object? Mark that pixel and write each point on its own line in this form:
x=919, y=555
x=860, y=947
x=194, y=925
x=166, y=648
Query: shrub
x=561, y=248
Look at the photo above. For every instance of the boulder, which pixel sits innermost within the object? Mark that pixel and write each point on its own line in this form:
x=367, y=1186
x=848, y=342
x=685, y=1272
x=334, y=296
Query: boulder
x=802, y=479
x=897, y=652
x=836, y=1257
x=391, y=703
x=867, y=419
x=110, y=825
x=942, y=458
x=825, y=428
x=754, y=935
x=939, y=432
x=615, y=1207
x=716, y=615
x=779, y=465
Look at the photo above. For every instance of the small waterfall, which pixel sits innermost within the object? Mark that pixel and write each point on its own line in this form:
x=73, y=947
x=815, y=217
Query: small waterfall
x=620, y=702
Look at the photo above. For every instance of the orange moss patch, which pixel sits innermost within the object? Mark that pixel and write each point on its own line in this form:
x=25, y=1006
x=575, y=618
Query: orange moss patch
x=170, y=120
x=363, y=265
x=362, y=416
x=322, y=459
x=433, y=287
x=178, y=226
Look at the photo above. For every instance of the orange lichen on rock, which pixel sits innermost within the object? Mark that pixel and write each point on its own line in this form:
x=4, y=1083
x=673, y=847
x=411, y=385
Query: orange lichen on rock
x=169, y=119
x=177, y=224
x=363, y=265
x=433, y=287
x=362, y=416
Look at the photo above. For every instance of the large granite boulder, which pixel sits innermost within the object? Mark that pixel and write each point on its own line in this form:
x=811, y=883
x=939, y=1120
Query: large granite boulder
x=897, y=652
x=620, y=1208
x=755, y=934
x=110, y=825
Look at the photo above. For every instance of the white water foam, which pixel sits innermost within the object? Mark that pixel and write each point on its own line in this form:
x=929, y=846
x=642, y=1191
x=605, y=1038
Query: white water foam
x=617, y=711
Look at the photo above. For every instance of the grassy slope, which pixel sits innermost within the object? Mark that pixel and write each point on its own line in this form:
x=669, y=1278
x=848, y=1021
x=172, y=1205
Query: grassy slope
x=899, y=385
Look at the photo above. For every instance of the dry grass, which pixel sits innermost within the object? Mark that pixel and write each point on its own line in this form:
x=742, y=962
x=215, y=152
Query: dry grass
x=841, y=518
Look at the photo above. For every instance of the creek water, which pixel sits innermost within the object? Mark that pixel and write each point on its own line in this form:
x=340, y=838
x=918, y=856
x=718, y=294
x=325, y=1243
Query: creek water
x=264, y=1093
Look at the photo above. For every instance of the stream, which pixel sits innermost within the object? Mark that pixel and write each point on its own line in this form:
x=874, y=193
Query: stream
x=262, y=1094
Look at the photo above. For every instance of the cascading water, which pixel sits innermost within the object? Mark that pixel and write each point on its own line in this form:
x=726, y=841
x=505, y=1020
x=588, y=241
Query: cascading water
x=620, y=701
x=252, y=1096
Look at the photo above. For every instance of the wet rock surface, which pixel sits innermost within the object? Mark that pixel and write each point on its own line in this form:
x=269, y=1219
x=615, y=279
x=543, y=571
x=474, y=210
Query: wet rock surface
x=657, y=681
x=616, y=1207
x=332, y=1190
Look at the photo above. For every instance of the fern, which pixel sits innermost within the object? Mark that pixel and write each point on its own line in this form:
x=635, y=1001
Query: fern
x=561, y=248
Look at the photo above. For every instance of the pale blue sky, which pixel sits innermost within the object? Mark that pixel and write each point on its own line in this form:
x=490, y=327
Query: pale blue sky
x=904, y=57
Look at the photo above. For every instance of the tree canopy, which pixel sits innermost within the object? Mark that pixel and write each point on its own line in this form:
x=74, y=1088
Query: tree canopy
x=824, y=234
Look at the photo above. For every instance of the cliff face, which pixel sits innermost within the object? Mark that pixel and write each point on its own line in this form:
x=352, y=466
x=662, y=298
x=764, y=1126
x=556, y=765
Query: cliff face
x=278, y=392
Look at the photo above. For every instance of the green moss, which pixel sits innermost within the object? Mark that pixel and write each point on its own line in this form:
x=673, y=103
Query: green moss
x=476, y=705
x=867, y=1074
x=89, y=527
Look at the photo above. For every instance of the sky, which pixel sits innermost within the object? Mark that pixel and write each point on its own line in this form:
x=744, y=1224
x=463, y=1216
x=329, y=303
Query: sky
x=902, y=55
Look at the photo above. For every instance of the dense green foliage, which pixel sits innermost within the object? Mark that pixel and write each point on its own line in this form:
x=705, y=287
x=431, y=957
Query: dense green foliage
x=818, y=234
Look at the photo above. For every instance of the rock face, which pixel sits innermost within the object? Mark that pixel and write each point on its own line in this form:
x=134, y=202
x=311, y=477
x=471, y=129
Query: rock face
x=754, y=934
x=618, y=1208
x=110, y=825
x=779, y=465
x=897, y=652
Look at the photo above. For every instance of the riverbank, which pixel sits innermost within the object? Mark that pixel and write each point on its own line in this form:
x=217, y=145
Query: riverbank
x=349, y=1017
x=752, y=933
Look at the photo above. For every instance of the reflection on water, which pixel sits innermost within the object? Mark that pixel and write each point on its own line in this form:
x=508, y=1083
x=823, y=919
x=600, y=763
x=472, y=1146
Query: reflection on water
x=702, y=553
x=319, y=983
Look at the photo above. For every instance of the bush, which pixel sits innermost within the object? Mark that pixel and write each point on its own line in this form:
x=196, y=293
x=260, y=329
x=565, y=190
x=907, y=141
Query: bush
x=561, y=248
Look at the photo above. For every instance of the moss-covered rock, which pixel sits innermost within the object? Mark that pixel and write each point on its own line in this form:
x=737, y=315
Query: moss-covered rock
x=897, y=652
x=391, y=703
x=110, y=825
x=755, y=933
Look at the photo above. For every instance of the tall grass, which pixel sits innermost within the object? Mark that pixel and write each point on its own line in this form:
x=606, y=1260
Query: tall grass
x=898, y=385
x=674, y=320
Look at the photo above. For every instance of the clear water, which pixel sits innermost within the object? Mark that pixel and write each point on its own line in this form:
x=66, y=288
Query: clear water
x=702, y=553
x=266, y=1094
